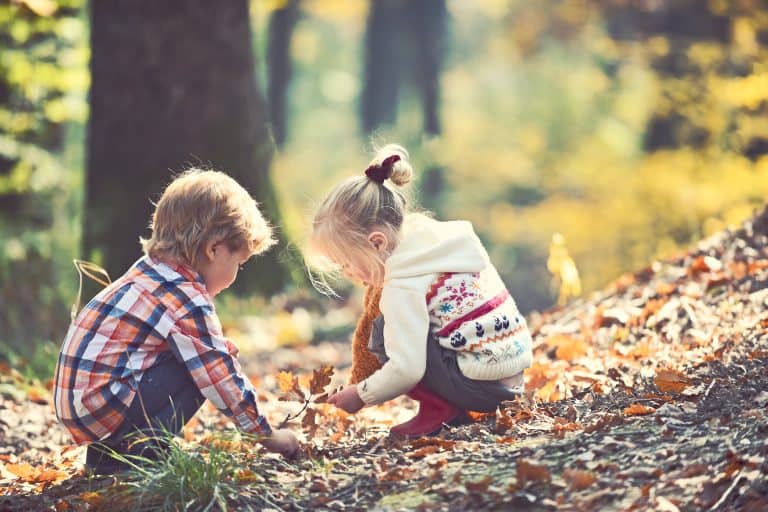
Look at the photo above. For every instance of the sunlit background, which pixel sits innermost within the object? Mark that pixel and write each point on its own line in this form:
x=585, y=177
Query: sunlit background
x=632, y=128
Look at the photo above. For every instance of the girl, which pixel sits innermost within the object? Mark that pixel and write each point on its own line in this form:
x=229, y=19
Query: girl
x=450, y=335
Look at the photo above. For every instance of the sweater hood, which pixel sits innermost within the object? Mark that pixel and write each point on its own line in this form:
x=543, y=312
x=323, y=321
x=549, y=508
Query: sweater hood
x=428, y=246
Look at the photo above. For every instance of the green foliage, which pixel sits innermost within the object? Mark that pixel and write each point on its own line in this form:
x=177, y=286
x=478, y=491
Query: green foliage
x=43, y=80
x=38, y=366
x=185, y=478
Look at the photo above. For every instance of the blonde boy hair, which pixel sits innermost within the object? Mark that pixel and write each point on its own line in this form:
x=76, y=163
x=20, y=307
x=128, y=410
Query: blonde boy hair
x=358, y=206
x=201, y=206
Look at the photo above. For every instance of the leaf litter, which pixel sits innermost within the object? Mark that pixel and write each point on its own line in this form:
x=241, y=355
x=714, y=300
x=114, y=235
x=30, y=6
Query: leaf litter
x=650, y=395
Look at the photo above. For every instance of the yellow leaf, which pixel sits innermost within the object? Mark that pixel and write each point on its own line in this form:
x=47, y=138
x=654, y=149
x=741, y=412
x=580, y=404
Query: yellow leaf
x=568, y=348
x=285, y=381
x=23, y=471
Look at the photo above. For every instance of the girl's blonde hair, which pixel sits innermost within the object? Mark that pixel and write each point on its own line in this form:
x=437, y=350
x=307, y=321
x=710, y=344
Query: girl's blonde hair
x=201, y=206
x=360, y=205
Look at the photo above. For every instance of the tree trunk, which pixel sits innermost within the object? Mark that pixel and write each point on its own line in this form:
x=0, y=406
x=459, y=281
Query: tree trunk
x=281, y=25
x=382, y=64
x=404, y=42
x=173, y=85
x=428, y=25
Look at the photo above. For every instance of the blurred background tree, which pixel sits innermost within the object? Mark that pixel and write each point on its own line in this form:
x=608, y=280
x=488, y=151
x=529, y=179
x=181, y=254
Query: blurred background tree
x=43, y=79
x=630, y=127
x=173, y=85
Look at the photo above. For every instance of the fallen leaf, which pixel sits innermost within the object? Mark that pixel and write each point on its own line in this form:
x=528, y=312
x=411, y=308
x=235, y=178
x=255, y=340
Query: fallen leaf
x=286, y=381
x=92, y=498
x=23, y=471
x=308, y=422
x=423, y=452
x=567, y=348
x=480, y=485
x=579, y=479
x=247, y=476
x=320, y=379
x=638, y=410
x=671, y=381
x=531, y=472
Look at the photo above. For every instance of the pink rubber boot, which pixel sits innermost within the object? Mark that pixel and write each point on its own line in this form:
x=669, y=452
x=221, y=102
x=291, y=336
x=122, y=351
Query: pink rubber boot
x=433, y=413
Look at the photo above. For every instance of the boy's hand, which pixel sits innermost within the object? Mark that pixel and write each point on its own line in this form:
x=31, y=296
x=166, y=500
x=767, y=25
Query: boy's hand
x=347, y=399
x=283, y=442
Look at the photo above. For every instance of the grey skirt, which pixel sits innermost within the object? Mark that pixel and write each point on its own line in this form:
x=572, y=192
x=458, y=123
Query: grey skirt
x=443, y=376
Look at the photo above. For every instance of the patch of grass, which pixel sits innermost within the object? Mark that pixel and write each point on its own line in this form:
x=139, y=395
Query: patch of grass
x=183, y=478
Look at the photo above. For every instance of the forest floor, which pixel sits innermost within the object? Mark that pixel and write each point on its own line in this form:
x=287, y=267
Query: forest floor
x=650, y=395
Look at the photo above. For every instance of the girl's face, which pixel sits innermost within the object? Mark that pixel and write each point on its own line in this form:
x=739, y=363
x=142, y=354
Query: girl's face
x=219, y=266
x=361, y=266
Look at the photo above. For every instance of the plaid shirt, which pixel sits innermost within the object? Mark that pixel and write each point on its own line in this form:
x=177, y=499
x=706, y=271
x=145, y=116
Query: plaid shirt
x=154, y=310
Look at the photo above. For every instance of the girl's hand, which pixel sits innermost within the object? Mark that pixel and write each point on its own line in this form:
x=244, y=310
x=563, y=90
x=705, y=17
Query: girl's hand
x=347, y=399
x=283, y=442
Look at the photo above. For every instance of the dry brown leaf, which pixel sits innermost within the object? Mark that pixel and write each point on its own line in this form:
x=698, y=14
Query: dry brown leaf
x=308, y=422
x=480, y=485
x=638, y=410
x=423, y=452
x=92, y=498
x=671, y=381
x=531, y=472
x=757, y=266
x=247, y=476
x=578, y=479
x=567, y=348
x=62, y=506
x=320, y=379
x=446, y=444
x=504, y=421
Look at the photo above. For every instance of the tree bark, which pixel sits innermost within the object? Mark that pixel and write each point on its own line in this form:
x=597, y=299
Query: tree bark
x=281, y=25
x=405, y=42
x=173, y=85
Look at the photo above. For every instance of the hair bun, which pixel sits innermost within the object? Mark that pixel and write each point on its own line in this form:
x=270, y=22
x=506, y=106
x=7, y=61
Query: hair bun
x=392, y=159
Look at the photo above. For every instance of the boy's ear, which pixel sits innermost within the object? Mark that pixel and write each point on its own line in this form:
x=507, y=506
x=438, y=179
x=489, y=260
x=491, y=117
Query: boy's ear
x=379, y=241
x=209, y=250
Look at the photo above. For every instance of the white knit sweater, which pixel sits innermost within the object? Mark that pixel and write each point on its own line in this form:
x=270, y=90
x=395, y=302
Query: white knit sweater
x=439, y=280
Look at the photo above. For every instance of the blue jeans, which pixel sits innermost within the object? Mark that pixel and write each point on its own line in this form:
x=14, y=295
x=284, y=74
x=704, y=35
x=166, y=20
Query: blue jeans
x=167, y=398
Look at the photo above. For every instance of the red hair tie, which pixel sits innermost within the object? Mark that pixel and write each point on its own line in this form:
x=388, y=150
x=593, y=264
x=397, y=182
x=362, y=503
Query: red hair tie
x=379, y=173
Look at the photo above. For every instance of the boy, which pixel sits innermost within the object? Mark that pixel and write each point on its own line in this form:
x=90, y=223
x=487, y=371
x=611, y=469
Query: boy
x=147, y=351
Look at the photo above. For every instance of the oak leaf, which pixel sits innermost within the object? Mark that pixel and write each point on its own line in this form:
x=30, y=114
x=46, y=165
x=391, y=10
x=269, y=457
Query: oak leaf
x=320, y=379
x=308, y=422
x=671, y=381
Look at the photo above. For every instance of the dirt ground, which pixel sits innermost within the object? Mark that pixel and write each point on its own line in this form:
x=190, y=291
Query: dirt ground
x=650, y=395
